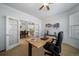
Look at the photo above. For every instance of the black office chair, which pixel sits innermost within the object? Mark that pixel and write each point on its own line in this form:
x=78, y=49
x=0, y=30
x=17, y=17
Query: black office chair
x=54, y=49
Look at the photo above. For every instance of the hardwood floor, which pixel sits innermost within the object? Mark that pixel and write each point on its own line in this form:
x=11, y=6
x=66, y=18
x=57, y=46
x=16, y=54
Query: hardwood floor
x=22, y=50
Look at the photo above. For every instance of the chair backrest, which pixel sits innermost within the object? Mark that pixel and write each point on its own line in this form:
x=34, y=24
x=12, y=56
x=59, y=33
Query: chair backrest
x=60, y=38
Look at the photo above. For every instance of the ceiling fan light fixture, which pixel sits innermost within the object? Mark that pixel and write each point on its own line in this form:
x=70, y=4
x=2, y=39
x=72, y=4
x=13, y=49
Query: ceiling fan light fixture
x=45, y=6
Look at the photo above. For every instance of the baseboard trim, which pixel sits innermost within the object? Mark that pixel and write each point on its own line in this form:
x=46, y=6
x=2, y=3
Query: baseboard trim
x=71, y=46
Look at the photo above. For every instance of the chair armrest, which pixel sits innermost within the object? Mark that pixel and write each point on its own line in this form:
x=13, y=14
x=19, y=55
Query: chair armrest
x=53, y=45
x=52, y=40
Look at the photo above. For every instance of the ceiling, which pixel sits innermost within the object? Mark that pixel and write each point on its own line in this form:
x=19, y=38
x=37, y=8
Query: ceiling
x=33, y=8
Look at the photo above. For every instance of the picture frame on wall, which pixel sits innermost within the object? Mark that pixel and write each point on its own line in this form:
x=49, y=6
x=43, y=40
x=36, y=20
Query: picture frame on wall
x=48, y=25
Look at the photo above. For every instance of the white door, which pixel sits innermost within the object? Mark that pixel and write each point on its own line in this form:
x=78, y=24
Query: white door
x=12, y=33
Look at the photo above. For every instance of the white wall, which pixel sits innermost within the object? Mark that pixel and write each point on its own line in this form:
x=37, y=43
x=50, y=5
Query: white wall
x=8, y=11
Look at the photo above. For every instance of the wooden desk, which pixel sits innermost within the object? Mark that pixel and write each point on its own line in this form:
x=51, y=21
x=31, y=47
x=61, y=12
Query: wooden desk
x=37, y=42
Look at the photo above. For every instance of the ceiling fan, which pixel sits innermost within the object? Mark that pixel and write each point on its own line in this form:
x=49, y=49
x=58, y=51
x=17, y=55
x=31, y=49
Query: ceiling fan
x=46, y=6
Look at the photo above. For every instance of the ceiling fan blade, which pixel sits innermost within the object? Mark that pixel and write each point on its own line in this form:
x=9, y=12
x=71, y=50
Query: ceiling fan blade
x=41, y=7
x=48, y=8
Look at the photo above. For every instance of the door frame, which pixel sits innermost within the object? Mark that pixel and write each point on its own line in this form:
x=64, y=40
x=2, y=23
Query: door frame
x=7, y=46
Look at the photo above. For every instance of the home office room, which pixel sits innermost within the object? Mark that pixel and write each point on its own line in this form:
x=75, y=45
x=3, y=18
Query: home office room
x=39, y=29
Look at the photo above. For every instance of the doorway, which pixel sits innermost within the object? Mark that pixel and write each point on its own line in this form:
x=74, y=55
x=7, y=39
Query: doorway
x=23, y=29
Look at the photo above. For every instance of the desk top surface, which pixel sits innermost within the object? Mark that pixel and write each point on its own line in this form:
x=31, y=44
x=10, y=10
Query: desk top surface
x=37, y=42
